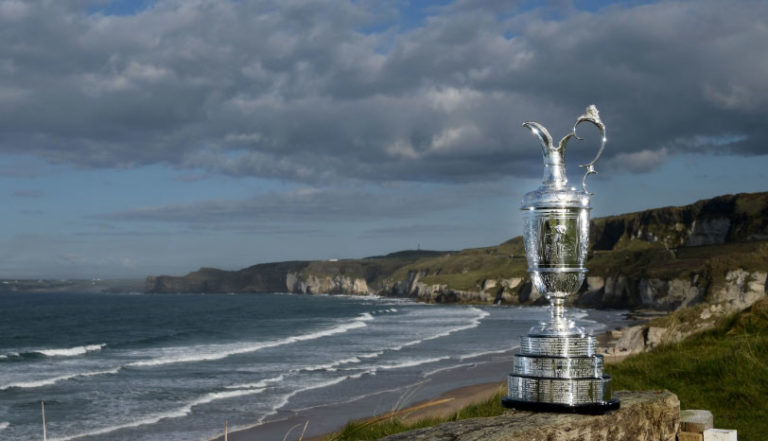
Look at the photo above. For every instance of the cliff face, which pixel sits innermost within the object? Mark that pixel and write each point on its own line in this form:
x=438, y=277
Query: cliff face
x=714, y=250
x=313, y=284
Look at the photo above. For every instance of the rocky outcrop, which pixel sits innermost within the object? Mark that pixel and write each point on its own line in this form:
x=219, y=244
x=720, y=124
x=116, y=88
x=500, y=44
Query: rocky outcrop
x=648, y=293
x=741, y=289
x=513, y=291
x=724, y=219
x=679, y=325
x=408, y=287
x=643, y=416
x=317, y=284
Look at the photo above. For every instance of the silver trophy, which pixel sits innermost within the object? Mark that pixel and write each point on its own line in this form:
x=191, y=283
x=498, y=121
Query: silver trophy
x=556, y=368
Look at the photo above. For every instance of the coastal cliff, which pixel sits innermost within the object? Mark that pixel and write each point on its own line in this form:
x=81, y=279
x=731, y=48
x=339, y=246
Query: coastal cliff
x=713, y=251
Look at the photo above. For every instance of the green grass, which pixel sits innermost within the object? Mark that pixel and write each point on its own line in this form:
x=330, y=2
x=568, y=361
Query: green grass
x=724, y=370
x=372, y=430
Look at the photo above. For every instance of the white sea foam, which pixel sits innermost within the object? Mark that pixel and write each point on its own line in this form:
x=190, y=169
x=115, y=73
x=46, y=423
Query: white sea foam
x=54, y=380
x=474, y=323
x=175, y=413
x=447, y=368
x=287, y=397
x=259, y=384
x=70, y=352
x=333, y=365
x=185, y=354
x=4, y=425
x=408, y=363
x=480, y=354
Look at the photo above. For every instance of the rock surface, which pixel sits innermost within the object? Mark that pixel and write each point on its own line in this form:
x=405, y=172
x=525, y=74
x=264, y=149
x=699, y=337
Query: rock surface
x=696, y=420
x=643, y=416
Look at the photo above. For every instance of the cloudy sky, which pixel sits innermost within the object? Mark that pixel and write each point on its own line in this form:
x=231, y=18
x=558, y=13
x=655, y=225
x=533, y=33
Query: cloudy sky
x=144, y=137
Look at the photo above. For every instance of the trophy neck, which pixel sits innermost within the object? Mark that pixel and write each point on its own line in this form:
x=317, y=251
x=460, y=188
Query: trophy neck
x=554, y=169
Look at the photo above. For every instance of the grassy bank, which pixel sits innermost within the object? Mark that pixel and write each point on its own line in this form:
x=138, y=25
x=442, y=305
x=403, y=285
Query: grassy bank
x=724, y=370
x=379, y=428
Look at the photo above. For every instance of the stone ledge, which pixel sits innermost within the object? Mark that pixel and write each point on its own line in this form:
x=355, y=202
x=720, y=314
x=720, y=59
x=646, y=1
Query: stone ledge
x=644, y=416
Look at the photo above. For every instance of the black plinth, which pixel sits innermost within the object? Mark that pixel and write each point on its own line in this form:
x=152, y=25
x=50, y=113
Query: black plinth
x=587, y=409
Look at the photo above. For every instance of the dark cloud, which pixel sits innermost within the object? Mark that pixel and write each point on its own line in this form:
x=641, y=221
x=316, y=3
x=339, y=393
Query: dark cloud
x=298, y=90
x=294, y=211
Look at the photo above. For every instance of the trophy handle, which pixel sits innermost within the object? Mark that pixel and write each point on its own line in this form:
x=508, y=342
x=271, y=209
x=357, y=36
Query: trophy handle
x=591, y=115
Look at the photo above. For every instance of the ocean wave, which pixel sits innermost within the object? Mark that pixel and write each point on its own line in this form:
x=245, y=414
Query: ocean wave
x=258, y=384
x=175, y=413
x=54, y=380
x=287, y=397
x=56, y=352
x=447, y=368
x=4, y=425
x=480, y=354
x=218, y=352
x=335, y=364
x=407, y=363
x=71, y=352
x=474, y=323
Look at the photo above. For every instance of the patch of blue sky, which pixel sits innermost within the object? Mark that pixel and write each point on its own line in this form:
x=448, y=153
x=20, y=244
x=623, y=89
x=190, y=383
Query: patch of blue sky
x=58, y=198
x=121, y=7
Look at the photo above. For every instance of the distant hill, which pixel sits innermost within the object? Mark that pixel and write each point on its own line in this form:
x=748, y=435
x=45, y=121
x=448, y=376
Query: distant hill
x=70, y=285
x=714, y=250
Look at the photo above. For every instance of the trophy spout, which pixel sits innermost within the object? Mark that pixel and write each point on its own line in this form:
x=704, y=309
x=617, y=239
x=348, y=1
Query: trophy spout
x=554, y=156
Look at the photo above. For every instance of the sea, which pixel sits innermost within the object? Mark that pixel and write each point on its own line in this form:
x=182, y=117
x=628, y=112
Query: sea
x=178, y=366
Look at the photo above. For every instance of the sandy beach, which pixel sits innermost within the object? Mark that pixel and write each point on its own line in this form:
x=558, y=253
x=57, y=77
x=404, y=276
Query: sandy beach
x=440, y=394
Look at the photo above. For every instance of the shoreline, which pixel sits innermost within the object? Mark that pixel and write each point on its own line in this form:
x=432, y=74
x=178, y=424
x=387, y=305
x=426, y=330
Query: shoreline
x=440, y=393
x=444, y=405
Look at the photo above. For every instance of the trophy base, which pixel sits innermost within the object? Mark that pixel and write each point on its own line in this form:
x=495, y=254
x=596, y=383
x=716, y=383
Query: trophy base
x=587, y=409
x=559, y=373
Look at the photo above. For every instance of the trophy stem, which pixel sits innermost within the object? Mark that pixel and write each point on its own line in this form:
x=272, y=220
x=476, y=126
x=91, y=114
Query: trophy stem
x=557, y=309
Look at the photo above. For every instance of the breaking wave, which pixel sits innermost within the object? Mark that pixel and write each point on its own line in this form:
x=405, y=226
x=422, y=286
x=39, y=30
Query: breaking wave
x=175, y=413
x=218, y=352
x=54, y=380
